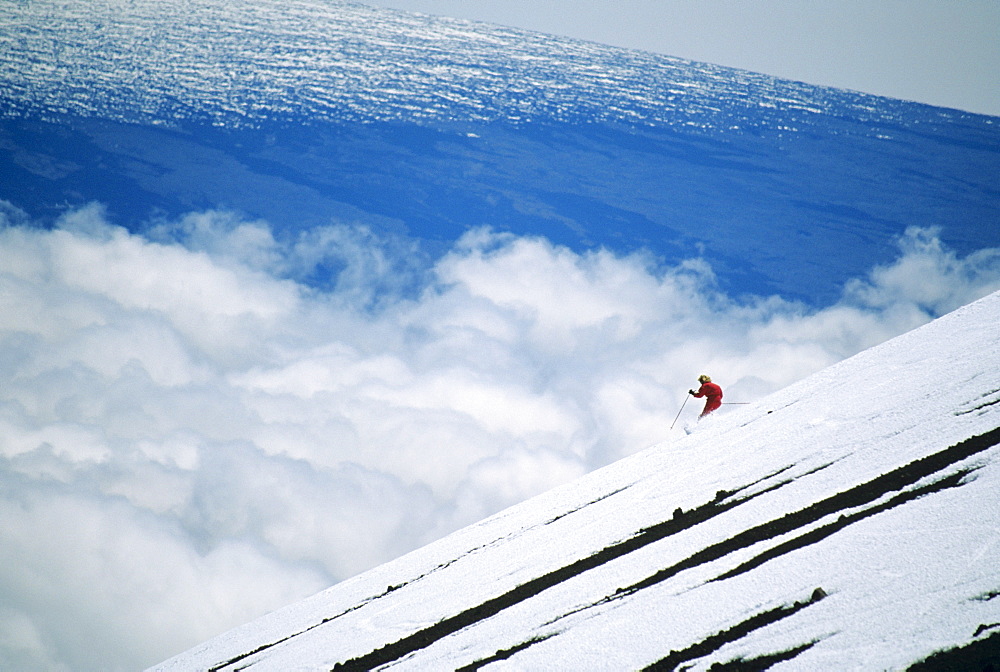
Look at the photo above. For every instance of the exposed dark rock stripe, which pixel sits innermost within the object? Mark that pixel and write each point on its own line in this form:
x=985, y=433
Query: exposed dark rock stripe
x=264, y=647
x=760, y=663
x=820, y=533
x=861, y=495
x=583, y=506
x=503, y=655
x=979, y=656
x=680, y=521
x=982, y=405
x=715, y=642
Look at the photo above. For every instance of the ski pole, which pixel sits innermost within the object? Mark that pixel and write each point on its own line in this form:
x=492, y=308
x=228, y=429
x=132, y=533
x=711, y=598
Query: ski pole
x=686, y=397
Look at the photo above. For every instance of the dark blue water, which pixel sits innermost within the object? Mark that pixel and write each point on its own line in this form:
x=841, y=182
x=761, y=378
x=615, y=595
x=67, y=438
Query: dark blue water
x=782, y=187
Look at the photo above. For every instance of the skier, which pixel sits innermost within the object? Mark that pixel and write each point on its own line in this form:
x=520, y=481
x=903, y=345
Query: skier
x=710, y=390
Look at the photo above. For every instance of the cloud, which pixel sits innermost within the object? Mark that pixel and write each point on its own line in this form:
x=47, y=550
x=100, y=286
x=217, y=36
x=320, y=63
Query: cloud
x=206, y=422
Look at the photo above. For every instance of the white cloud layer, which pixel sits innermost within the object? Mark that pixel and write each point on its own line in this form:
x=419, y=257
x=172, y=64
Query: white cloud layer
x=192, y=435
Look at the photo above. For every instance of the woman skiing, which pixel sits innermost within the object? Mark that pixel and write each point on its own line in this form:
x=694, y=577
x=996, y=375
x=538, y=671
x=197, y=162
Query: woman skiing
x=710, y=390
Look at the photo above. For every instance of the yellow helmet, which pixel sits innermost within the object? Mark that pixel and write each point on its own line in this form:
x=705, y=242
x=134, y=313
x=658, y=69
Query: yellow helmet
x=704, y=379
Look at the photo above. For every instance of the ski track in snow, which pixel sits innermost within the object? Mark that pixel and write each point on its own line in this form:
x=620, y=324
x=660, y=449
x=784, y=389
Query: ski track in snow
x=857, y=532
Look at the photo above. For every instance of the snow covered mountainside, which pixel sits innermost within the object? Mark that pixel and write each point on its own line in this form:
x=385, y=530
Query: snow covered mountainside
x=316, y=112
x=848, y=522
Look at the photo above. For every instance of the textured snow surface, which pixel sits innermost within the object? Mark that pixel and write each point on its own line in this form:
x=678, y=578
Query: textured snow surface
x=243, y=61
x=875, y=480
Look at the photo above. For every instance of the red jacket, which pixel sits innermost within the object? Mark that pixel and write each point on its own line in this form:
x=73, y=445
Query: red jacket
x=714, y=394
x=710, y=390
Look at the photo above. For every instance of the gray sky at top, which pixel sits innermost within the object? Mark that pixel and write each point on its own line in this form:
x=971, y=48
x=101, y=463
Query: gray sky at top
x=940, y=52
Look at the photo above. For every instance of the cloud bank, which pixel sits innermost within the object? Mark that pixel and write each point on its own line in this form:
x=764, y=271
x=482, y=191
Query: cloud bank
x=194, y=430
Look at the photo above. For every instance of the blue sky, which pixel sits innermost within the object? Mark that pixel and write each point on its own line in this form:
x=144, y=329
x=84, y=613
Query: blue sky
x=932, y=51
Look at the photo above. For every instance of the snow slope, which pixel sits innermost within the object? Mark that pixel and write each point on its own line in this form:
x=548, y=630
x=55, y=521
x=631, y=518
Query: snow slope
x=850, y=521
